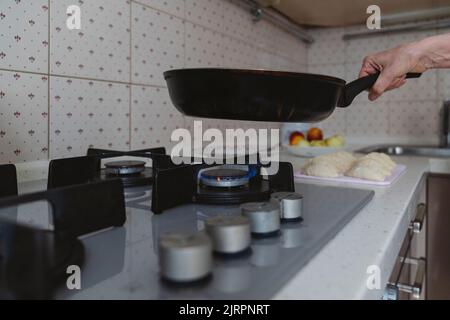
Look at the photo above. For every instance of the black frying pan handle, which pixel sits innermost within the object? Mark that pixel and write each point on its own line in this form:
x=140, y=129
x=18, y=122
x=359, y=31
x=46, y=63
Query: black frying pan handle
x=354, y=88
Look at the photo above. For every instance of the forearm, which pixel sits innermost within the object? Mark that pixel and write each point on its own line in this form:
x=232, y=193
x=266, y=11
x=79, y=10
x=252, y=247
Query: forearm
x=435, y=51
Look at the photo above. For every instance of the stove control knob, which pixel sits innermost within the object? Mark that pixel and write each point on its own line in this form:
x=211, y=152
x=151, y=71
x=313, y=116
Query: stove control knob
x=229, y=234
x=185, y=257
x=264, y=217
x=291, y=205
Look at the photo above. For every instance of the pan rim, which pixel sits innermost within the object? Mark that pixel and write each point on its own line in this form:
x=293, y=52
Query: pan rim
x=262, y=72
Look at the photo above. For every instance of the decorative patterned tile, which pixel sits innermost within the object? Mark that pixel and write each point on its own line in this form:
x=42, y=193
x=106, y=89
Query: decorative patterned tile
x=291, y=47
x=87, y=113
x=424, y=88
x=23, y=117
x=335, y=124
x=100, y=49
x=207, y=13
x=157, y=45
x=153, y=118
x=203, y=47
x=238, y=23
x=238, y=54
x=174, y=7
x=24, y=35
x=443, y=84
x=328, y=46
x=263, y=60
x=417, y=120
x=367, y=119
x=281, y=64
x=334, y=70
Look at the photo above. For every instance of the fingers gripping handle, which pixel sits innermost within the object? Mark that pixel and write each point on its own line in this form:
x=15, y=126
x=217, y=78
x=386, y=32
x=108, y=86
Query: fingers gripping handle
x=354, y=88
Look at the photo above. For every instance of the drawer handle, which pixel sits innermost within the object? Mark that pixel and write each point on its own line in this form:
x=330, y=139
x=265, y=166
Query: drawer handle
x=416, y=288
x=417, y=224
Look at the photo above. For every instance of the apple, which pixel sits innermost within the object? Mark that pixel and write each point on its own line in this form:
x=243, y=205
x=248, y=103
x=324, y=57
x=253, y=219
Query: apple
x=315, y=134
x=296, y=137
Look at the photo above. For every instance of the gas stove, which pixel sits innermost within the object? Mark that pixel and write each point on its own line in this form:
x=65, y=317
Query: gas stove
x=123, y=262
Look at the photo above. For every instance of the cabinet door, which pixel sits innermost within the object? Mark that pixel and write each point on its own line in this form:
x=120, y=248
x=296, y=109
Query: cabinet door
x=438, y=237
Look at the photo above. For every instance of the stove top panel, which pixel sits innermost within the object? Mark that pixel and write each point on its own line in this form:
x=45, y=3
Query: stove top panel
x=123, y=263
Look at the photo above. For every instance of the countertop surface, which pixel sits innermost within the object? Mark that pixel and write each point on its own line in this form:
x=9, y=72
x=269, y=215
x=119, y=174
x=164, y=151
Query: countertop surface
x=372, y=238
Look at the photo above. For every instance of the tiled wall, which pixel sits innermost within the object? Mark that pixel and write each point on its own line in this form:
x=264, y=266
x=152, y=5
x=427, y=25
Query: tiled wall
x=410, y=114
x=63, y=90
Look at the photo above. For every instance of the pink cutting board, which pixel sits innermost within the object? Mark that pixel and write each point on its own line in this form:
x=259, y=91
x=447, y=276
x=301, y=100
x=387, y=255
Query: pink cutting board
x=398, y=171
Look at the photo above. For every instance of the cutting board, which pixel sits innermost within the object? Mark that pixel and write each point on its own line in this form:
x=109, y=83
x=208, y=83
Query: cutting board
x=398, y=171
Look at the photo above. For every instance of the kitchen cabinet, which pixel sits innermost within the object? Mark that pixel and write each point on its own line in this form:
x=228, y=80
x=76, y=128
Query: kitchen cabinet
x=438, y=237
x=423, y=263
x=408, y=278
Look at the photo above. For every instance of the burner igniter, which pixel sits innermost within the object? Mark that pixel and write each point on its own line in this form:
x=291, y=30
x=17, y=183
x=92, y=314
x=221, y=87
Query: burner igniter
x=124, y=168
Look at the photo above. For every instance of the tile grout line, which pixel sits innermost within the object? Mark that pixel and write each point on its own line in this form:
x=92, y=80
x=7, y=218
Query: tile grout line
x=48, y=82
x=130, y=77
x=185, y=121
x=82, y=78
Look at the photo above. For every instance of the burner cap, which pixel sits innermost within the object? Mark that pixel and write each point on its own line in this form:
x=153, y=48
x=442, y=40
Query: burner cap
x=125, y=167
x=224, y=178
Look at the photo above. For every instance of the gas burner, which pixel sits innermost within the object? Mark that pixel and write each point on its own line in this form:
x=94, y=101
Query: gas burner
x=224, y=178
x=216, y=185
x=124, y=168
x=139, y=179
x=80, y=170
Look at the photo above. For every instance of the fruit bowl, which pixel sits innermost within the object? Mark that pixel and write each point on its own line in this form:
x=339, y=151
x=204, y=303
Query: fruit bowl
x=313, y=144
x=310, y=152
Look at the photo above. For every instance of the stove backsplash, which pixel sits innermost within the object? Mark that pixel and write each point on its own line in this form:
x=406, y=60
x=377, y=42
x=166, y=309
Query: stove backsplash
x=410, y=114
x=63, y=90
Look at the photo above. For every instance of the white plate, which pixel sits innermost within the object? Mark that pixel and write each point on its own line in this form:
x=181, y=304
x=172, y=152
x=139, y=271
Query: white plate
x=309, y=152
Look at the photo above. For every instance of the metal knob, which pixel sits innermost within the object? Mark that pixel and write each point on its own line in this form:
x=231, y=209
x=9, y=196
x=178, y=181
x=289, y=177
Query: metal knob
x=291, y=205
x=264, y=217
x=185, y=257
x=229, y=234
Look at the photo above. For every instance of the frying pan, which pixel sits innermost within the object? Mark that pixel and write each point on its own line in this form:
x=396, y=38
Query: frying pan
x=257, y=95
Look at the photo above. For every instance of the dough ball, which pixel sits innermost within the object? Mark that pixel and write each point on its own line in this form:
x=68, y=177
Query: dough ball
x=368, y=173
x=371, y=163
x=329, y=165
x=322, y=169
x=382, y=158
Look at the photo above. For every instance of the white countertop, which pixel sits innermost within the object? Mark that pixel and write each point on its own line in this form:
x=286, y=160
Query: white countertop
x=373, y=237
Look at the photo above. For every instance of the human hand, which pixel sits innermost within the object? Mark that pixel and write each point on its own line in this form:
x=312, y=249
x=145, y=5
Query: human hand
x=393, y=66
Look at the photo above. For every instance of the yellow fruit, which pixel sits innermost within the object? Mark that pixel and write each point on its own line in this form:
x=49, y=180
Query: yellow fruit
x=335, y=141
x=303, y=143
x=318, y=143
